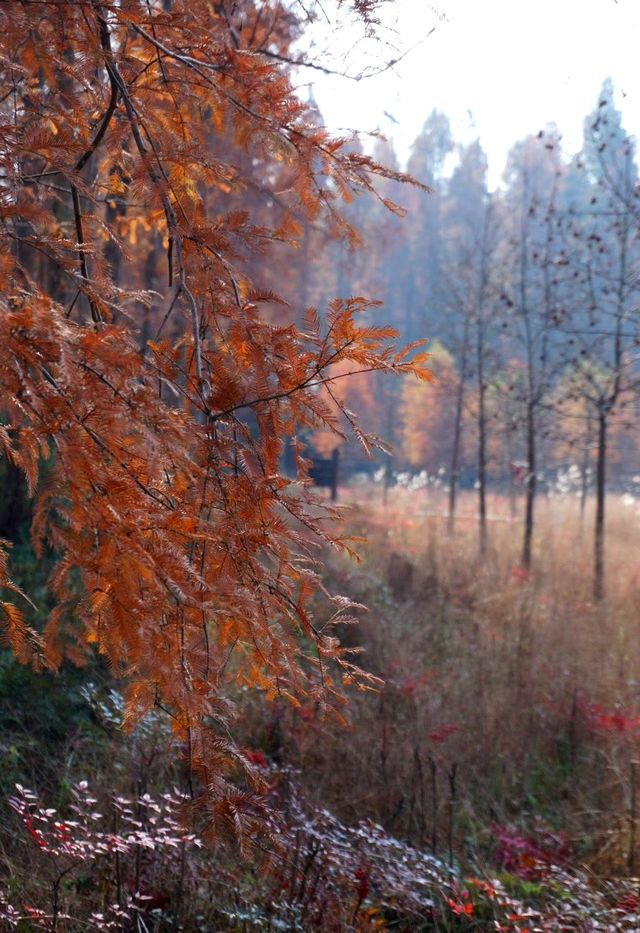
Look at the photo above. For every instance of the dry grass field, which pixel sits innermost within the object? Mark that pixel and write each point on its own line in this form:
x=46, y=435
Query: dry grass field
x=511, y=702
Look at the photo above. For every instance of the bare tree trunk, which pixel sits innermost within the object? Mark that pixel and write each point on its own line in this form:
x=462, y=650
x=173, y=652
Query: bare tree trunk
x=482, y=464
x=482, y=438
x=387, y=479
x=482, y=389
x=455, y=454
x=530, y=487
x=513, y=505
x=601, y=469
x=457, y=430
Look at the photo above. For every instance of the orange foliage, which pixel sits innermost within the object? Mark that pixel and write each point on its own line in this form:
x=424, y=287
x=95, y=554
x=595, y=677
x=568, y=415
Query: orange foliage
x=350, y=391
x=427, y=413
x=161, y=399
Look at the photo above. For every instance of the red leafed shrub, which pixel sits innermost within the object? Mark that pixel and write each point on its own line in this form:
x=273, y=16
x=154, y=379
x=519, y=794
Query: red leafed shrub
x=462, y=907
x=521, y=574
x=320, y=875
x=129, y=865
x=442, y=733
x=140, y=842
x=362, y=882
x=629, y=903
x=408, y=683
x=530, y=856
x=256, y=757
x=613, y=721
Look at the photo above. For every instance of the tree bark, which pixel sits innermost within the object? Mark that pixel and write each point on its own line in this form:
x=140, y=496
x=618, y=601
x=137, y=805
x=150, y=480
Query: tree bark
x=530, y=487
x=482, y=389
x=457, y=431
x=482, y=461
x=482, y=439
x=601, y=470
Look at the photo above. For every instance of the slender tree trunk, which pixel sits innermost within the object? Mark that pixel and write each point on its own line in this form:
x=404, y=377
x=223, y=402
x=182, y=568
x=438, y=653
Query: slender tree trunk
x=390, y=437
x=386, y=480
x=455, y=455
x=530, y=487
x=601, y=469
x=482, y=467
x=457, y=431
x=482, y=417
x=513, y=506
x=480, y=348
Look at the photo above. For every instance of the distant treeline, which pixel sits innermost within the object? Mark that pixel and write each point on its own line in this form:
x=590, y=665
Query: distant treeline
x=529, y=296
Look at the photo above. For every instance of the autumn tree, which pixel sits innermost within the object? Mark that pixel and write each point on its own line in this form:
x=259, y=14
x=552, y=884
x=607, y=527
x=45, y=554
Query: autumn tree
x=426, y=414
x=471, y=235
x=530, y=294
x=140, y=362
x=608, y=227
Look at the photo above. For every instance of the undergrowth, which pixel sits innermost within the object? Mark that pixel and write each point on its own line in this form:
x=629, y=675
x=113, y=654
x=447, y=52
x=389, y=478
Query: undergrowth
x=487, y=785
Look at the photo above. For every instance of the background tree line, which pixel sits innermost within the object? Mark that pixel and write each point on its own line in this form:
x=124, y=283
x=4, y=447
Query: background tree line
x=531, y=293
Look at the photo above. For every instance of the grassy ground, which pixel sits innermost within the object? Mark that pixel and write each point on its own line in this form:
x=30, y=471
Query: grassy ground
x=510, y=700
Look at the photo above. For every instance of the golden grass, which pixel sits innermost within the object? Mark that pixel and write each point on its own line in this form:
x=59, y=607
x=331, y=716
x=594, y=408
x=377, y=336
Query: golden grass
x=524, y=684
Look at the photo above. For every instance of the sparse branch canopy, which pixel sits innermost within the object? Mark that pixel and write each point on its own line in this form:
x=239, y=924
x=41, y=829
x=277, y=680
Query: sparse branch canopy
x=137, y=358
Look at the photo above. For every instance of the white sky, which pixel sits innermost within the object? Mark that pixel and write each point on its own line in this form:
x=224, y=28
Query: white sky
x=499, y=69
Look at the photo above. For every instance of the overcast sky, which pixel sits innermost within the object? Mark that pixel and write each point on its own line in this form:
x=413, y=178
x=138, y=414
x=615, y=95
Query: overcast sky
x=500, y=69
